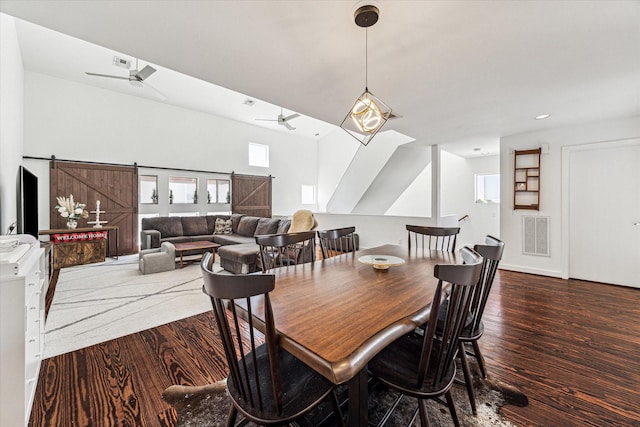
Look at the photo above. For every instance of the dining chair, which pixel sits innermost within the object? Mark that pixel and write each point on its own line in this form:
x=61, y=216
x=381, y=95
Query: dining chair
x=433, y=238
x=422, y=365
x=281, y=250
x=491, y=252
x=337, y=241
x=267, y=385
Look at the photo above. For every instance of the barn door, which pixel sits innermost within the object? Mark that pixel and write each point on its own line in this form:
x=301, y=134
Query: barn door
x=115, y=186
x=251, y=195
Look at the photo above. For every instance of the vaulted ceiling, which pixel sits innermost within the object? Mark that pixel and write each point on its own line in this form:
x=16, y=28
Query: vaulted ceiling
x=456, y=72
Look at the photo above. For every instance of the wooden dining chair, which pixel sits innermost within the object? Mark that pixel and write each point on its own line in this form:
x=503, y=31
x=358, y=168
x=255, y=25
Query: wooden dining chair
x=491, y=253
x=337, y=241
x=421, y=364
x=267, y=385
x=433, y=238
x=281, y=250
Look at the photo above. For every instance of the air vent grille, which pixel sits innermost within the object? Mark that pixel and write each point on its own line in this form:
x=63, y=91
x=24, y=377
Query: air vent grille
x=535, y=235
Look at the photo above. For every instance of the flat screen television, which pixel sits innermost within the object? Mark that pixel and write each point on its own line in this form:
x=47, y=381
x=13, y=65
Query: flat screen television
x=27, y=203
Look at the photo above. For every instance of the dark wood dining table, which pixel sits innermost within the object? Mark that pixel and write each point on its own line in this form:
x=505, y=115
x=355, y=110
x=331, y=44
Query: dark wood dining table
x=337, y=314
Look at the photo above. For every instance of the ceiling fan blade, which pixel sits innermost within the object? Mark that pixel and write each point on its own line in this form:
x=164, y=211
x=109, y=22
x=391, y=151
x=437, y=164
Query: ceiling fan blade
x=288, y=126
x=107, y=75
x=145, y=73
x=267, y=120
x=158, y=94
x=291, y=117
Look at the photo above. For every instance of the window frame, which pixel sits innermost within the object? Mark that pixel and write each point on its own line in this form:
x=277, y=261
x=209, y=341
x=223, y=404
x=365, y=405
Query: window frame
x=480, y=183
x=190, y=199
x=141, y=179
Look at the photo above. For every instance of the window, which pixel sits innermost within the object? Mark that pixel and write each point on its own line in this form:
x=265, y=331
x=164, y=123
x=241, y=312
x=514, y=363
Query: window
x=258, y=155
x=183, y=190
x=308, y=194
x=488, y=188
x=184, y=213
x=218, y=191
x=148, y=192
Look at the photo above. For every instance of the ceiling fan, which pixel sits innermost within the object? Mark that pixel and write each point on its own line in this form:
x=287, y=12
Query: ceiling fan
x=136, y=78
x=282, y=120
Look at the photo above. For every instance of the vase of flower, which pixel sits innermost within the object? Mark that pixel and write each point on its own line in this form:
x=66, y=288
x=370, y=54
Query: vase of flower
x=71, y=211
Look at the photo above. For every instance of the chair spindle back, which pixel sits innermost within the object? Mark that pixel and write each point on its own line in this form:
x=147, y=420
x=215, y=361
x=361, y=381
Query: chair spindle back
x=439, y=346
x=282, y=250
x=432, y=238
x=337, y=241
x=224, y=291
x=491, y=253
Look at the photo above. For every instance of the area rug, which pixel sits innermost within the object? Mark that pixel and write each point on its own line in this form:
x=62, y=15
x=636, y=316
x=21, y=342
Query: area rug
x=95, y=303
x=208, y=406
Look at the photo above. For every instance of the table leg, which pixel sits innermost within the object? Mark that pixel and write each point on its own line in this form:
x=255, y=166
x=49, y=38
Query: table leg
x=358, y=395
x=181, y=266
x=117, y=244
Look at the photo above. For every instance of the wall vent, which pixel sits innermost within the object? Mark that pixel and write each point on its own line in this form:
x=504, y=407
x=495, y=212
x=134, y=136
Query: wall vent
x=535, y=235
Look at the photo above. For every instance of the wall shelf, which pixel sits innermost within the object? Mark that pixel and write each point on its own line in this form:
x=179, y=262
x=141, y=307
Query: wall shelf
x=526, y=179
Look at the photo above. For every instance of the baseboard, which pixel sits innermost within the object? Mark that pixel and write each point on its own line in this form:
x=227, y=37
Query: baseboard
x=529, y=270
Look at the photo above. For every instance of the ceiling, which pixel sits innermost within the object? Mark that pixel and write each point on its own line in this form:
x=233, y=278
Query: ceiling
x=458, y=73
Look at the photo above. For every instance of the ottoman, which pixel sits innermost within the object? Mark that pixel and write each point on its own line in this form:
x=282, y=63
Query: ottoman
x=239, y=259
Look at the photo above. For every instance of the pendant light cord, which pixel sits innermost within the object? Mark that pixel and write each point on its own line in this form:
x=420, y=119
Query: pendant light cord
x=366, y=59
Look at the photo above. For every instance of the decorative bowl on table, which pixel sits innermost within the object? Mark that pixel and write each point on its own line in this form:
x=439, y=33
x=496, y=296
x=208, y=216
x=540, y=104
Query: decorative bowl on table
x=381, y=262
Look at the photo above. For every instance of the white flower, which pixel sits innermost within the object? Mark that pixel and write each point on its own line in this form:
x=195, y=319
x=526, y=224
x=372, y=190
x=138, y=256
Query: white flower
x=78, y=211
x=61, y=209
x=64, y=214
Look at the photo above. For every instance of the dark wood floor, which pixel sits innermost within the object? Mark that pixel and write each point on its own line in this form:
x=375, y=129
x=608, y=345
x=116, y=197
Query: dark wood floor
x=572, y=346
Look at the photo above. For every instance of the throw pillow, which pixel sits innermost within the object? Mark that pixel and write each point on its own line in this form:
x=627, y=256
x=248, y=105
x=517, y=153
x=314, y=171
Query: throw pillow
x=222, y=226
x=267, y=226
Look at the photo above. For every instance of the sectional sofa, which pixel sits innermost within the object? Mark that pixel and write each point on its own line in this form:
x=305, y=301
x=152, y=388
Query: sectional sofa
x=239, y=250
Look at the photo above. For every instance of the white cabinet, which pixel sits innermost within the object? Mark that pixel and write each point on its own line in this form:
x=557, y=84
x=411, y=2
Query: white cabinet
x=23, y=287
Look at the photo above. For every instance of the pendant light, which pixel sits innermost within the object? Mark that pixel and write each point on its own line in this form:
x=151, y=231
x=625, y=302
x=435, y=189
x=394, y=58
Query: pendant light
x=369, y=113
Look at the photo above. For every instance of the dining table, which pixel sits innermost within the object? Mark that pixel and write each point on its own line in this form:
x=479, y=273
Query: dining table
x=336, y=314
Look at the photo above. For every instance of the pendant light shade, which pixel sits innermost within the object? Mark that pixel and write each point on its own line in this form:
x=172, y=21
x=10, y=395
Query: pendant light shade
x=369, y=113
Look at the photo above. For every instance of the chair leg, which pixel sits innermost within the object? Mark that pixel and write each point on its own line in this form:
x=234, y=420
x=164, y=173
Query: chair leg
x=468, y=379
x=231, y=418
x=479, y=358
x=336, y=409
x=424, y=418
x=452, y=408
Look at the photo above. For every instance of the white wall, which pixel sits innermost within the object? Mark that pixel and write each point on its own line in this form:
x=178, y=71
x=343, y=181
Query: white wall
x=335, y=152
x=458, y=196
x=550, y=188
x=11, y=119
x=415, y=200
x=374, y=230
x=80, y=122
x=365, y=165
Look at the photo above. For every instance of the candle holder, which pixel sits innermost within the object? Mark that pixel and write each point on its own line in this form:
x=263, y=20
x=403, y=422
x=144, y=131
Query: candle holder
x=97, y=222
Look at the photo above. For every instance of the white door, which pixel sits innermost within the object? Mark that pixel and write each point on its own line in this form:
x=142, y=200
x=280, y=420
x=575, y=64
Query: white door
x=604, y=213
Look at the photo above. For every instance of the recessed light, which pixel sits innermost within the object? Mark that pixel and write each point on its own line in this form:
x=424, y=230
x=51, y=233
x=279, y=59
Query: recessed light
x=249, y=102
x=542, y=116
x=476, y=149
x=317, y=134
